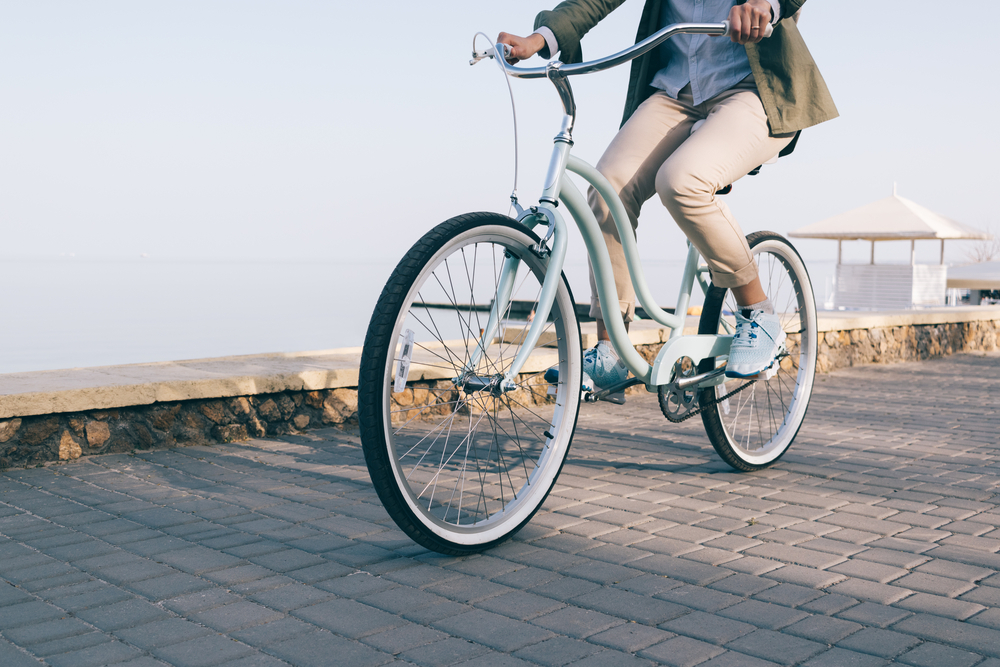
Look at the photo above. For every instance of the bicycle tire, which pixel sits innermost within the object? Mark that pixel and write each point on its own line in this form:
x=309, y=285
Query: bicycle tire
x=769, y=413
x=526, y=438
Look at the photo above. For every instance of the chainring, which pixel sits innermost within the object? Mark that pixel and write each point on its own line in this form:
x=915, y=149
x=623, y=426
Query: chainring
x=679, y=405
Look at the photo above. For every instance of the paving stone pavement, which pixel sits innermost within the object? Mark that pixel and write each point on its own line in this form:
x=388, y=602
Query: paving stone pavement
x=875, y=539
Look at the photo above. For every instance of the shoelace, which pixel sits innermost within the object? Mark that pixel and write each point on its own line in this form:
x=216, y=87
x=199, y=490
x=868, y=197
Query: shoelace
x=592, y=354
x=745, y=335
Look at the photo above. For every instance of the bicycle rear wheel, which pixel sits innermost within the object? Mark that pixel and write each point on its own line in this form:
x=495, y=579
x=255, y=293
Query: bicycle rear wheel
x=755, y=427
x=460, y=469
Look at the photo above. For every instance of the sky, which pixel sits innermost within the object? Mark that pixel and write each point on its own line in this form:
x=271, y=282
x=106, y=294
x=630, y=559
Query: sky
x=230, y=129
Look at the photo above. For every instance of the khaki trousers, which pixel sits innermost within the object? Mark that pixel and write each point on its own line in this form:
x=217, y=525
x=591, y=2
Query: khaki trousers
x=655, y=152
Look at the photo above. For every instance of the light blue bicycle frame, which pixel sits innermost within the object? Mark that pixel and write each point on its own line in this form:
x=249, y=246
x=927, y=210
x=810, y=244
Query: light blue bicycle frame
x=560, y=188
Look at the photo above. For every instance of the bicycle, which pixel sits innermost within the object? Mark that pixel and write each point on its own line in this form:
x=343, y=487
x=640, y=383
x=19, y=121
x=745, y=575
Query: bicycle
x=462, y=434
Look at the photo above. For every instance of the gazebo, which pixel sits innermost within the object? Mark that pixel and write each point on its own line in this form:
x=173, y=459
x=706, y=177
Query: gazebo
x=889, y=286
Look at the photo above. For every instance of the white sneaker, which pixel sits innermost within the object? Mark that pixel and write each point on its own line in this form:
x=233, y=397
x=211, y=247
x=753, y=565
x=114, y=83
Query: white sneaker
x=756, y=344
x=601, y=368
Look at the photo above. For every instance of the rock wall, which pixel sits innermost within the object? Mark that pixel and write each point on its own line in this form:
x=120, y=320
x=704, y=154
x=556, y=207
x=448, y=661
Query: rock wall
x=32, y=441
x=840, y=349
x=438, y=398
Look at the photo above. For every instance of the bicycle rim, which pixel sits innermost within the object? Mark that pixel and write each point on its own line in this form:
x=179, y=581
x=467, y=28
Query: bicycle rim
x=470, y=468
x=753, y=428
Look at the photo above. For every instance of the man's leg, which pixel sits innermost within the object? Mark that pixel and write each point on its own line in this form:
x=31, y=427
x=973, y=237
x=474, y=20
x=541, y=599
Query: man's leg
x=749, y=294
x=734, y=139
x=630, y=164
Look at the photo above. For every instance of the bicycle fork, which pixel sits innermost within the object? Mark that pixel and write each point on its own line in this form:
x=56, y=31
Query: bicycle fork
x=554, y=258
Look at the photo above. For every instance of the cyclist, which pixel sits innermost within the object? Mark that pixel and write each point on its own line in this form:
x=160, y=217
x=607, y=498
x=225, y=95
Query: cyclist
x=749, y=98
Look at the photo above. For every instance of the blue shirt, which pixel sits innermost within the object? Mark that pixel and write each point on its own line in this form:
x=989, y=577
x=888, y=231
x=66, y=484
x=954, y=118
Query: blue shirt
x=712, y=65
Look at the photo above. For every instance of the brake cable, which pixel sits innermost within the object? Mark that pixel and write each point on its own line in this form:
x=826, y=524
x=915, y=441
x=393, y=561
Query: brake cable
x=491, y=53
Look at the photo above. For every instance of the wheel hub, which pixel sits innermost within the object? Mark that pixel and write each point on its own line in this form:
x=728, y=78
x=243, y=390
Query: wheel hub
x=471, y=383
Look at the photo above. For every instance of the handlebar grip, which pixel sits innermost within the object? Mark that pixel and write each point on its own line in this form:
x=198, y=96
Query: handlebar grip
x=768, y=29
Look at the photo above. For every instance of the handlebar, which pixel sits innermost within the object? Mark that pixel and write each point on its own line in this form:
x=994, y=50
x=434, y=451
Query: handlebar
x=643, y=47
x=558, y=73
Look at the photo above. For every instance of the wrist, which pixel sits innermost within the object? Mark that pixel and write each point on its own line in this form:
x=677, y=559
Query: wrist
x=536, y=42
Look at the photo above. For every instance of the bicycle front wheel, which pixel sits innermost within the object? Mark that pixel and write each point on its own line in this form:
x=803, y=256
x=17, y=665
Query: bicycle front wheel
x=457, y=466
x=753, y=428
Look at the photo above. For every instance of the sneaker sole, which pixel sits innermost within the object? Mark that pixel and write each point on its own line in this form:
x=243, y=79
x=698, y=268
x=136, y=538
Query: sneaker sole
x=768, y=371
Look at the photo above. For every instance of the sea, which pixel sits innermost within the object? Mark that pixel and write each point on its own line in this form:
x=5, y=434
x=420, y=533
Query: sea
x=70, y=312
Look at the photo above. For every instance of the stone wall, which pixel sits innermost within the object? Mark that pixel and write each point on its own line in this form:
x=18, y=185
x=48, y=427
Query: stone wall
x=438, y=398
x=32, y=441
x=888, y=345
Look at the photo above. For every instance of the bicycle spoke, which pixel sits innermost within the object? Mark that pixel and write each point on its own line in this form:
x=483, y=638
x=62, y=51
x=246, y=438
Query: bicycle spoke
x=441, y=427
x=422, y=408
x=440, y=338
x=441, y=467
x=526, y=408
x=444, y=450
x=458, y=314
x=517, y=439
x=468, y=330
x=427, y=349
x=540, y=437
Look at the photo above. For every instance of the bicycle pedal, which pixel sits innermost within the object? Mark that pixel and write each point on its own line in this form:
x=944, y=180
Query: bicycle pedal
x=617, y=398
x=765, y=374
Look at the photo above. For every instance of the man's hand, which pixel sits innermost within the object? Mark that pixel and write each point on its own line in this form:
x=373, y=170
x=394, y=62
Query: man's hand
x=748, y=20
x=523, y=48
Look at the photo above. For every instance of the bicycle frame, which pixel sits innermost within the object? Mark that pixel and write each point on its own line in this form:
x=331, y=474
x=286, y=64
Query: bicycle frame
x=558, y=188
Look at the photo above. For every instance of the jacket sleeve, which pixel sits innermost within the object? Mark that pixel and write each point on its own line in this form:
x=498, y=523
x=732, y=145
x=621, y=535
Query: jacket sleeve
x=789, y=7
x=571, y=20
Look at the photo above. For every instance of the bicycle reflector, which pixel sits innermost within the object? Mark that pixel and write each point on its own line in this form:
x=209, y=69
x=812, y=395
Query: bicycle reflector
x=403, y=368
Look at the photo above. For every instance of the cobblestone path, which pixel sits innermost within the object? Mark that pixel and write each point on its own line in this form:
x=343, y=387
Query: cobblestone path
x=875, y=539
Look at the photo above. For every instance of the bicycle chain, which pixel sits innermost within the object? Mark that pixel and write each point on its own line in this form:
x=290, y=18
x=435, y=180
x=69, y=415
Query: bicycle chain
x=700, y=408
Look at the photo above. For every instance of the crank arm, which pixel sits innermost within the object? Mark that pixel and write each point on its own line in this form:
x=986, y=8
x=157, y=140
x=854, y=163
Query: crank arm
x=714, y=377
x=694, y=380
x=594, y=396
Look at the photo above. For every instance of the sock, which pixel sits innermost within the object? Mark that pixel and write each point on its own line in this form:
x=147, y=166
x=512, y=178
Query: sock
x=764, y=305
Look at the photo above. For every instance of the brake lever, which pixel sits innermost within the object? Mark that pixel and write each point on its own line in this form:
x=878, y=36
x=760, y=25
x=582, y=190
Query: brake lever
x=491, y=52
x=480, y=55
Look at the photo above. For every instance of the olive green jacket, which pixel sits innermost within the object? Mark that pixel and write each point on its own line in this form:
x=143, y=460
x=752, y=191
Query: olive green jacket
x=790, y=86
